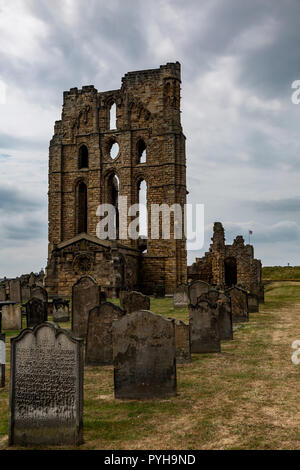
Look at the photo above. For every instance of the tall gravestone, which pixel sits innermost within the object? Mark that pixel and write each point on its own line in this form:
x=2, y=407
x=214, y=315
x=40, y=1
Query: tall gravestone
x=99, y=344
x=204, y=327
x=253, y=303
x=239, y=304
x=2, y=294
x=39, y=292
x=182, y=342
x=144, y=356
x=15, y=293
x=46, y=397
x=180, y=298
x=2, y=360
x=196, y=289
x=85, y=296
x=12, y=317
x=134, y=301
x=36, y=312
x=225, y=317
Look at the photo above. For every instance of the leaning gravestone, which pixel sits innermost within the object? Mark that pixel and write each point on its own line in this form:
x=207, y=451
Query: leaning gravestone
x=99, y=345
x=134, y=301
x=85, y=296
x=36, y=312
x=253, y=303
x=2, y=294
x=182, y=342
x=12, y=317
x=197, y=289
x=15, y=293
x=46, y=398
x=225, y=317
x=60, y=311
x=2, y=360
x=180, y=298
x=144, y=356
x=39, y=292
x=239, y=304
x=204, y=327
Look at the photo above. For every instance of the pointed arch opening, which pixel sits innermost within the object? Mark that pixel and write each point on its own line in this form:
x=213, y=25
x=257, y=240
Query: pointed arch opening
x=113, y=190
x=81, y=208
x=230, y=271
x=113, y=116
x=141, y=151
x=83, y=157
x=143, y=215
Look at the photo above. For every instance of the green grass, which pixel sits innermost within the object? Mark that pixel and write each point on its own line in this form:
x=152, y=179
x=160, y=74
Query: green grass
x=245, y=397
x=281, y=273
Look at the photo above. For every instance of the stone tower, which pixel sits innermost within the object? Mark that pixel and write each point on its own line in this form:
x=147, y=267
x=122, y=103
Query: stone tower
x=93, y=161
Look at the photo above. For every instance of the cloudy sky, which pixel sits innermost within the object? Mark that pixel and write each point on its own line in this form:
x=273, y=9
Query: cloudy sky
x=239, y=60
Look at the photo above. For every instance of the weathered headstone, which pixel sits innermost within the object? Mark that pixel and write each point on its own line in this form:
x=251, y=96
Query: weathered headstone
x=253, y=303
x=15, y=294
x=99, y=343
x=204, y=327
x=60, y=311
x=2, y=360
x=181, y=299
x=159, y=291
x=36, y=312
x=224, y=317
x=85, y=296
x=2, y=294
x=239, y=304
x=26, y=293
x=46, y=387
x=197, y=289
x=12, y=317
x=182, y=342
x=39, y=292
x=134, y=301
x=144, y=356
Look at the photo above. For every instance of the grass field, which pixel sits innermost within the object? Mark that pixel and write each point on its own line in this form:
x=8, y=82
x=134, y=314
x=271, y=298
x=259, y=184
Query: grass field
x=281, y=273
x=245, y=397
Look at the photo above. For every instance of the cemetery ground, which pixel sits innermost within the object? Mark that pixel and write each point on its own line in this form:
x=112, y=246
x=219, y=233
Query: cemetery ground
x=246, y=397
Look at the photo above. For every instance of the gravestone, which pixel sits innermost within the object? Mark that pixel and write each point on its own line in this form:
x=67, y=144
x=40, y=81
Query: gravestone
x=196, y=289
x=99, y=345
x=159, y=291
x=262, y=294
x=253, y=303
x=225, y=317
x=46, y=398
x=60, y=310
x=2, y=360
x=2, y=294
x=144, y=356
x=15, y=294
x=204, y=327
x=180, y=298
x=134, y=301
x=26, y=293
x=39, y=292
x=12, y=317
x=36, y=312
x=182, y=342
x=239, y=304
x=85, y=296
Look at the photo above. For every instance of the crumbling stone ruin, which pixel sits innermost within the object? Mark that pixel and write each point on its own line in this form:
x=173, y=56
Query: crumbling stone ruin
x=93, y=161
x=229, y=265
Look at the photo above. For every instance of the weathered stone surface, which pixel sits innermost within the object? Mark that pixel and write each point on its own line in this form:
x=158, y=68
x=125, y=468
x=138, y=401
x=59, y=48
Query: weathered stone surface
x=39, y=292
x=182, y=341
x=144, y=356
x=181, y=299
x=239, y=304
x=262, y=294
x=15, y=294
x=46, y=387
x=12, y=317
x=159, y=291
x=225, y=317
x=36, y=312
x=2, y=293
x=85, y=296
x=99, y=343
x=204, y=327
x=60, y=310
x=253, y=303
x=134, y=301
x=196, y=289
x=2, y=360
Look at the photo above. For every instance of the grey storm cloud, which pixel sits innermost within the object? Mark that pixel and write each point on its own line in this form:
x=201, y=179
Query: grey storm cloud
x=13, y=200
x=278, y=205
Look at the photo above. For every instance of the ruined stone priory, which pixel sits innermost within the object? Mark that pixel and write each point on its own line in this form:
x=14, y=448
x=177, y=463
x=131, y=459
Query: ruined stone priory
x=229, y=265
x=111, y=144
